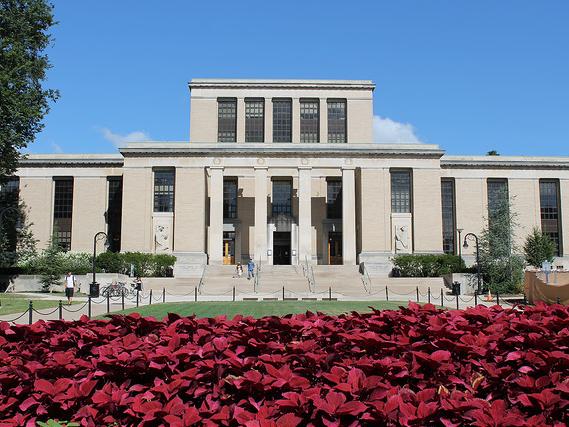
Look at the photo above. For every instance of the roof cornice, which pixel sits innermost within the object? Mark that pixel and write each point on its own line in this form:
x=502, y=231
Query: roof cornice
x=280, y=150
x=504, y=162
x=72, y=160
x=280, y=84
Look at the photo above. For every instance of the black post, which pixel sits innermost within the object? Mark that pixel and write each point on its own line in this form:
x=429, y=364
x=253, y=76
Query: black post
x=95, y=238
x=137, y=292
x=150, y=300
x=442, y=298
x=163, y=294
x=525, y=299
x=283, y=293
x=30, y=311
x=108, y=302
x=475, y=298
x=558, y=300
x=457, y=301
x=233, y=293
x=478, y=276
x=497, y=298
x=60, y=310
x=429, y=294
x=417, y=289
x=122, y=299
x=196, y=294
x=386, y=294
x=89, y=306
x=330, y=293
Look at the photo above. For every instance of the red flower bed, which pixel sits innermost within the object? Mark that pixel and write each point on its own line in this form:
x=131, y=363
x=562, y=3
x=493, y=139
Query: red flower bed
x=416, y=366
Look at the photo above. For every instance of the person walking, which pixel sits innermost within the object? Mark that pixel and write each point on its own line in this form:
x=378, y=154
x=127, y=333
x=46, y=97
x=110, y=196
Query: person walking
x=69, y=287
x=250, y=269
x=239, y=270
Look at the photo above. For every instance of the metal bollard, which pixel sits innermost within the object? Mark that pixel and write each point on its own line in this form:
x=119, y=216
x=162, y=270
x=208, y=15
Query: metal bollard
x=429, y=294
x=330, y=293
x=150, y=299
x=30, y=312
x=163, y=294
x=233, y=293
x=89, y=306
x=442, y=298
x=60, y=310
x=386, y=294
x=497, y=298
x=283, y=293
x=122, y=299
x=108, y=302
x=196, y=294
x=457, y=301
x=525, y=299
x=475, y=298
x=558, y=300
x=417, y=290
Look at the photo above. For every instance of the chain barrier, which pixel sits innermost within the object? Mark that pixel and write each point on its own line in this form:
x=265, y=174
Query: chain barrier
x=17, y=318
x=45, y=314
x=75, y=311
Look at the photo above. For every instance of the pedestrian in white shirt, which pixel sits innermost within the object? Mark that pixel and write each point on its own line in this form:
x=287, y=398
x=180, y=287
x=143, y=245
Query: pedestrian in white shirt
x=69, y=287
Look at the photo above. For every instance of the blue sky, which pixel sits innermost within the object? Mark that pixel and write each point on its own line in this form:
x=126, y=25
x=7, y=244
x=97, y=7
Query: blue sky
x=470, y=76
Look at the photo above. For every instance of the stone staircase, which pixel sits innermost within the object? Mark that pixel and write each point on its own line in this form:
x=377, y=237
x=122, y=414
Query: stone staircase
x=343, y=279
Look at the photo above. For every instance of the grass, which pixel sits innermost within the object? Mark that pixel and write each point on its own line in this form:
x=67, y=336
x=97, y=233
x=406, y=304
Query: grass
x=14, y=303
x=259, y=308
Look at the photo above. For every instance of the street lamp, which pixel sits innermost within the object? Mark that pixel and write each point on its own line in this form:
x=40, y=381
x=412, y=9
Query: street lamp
x=97, y=237
x=459, y=230
x=475, y=237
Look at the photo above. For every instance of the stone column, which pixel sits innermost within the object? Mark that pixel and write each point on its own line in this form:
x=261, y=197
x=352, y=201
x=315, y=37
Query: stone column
x=304, y=214
x=295, y=120
x=215, y=248
x=240, y=120
x=323, y=113
x=260, y=246
x=349, y=216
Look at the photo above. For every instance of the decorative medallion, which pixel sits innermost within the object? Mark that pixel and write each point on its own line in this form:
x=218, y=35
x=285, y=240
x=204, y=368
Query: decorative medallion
x=260, y=161
x=217, y=161
x=348, y=161
x=304, y=161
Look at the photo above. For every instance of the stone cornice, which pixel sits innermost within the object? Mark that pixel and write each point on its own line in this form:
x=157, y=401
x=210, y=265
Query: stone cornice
x=279, y=84
x=504, y=162
x=72, y=160
x=181, y=149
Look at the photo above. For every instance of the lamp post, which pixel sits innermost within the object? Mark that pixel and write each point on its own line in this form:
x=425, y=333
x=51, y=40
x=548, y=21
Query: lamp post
x=95, y=239
x=475, y=237
x=459, y=231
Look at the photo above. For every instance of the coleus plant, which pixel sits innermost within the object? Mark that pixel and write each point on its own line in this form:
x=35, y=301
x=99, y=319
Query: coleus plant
x=417, y=366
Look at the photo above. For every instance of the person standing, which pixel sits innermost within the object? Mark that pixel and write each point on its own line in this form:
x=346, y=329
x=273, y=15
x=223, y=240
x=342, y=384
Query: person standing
x=250, y=269
x=69, y=287
x=239, y=270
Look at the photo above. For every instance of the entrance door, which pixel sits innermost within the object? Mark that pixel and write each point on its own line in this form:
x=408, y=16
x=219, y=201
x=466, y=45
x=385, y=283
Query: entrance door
x=281, y=248
x=228, y=247
x=335, y=248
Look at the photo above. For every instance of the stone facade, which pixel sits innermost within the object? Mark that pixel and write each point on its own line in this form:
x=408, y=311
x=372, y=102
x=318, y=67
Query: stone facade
x=364, y=225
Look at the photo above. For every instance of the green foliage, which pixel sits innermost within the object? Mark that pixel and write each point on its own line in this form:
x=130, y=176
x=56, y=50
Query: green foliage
x=54, y=423
x=538, y=248
x=17, y=242
x=24, y=26
x=49, y=265
x=415, y=265
x=145, y=264
x=501, y=264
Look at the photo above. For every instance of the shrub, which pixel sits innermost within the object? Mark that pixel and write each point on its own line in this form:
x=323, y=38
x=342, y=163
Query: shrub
x=144, y=264
x=418, y=366
x=538, y=248
x=416, y=265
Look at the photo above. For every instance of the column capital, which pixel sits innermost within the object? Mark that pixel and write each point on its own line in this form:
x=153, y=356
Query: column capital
x=260, y=167
x=348, y=168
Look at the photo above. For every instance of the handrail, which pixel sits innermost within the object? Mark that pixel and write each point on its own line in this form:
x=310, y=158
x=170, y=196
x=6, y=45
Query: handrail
x=366, y=280
x=309, y=274
x=200, y=284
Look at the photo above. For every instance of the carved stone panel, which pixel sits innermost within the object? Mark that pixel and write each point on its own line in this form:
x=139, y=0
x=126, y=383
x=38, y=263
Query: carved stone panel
x=401, y=233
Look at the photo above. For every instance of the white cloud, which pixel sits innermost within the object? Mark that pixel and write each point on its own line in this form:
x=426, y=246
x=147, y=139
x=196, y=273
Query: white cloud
x=120, y=140
x=56, y=148
x=387, y=131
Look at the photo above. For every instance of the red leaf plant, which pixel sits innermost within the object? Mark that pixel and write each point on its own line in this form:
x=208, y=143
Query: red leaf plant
x=417, y=366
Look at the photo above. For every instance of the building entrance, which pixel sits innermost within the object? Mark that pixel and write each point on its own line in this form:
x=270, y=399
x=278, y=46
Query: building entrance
x=334, y=248
x=281, y=248
x=228, y=247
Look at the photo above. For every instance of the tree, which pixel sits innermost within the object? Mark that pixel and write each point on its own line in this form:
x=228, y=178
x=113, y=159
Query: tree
x=17, y=242
x=50, y=264
x=492, y=153
x=24, y=102
x=500, y=261
x=538, y=248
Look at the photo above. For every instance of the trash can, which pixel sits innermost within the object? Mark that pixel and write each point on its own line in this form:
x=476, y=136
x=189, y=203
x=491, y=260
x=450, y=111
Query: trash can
x=395, y=272
x=456, y=288
x=94, y=290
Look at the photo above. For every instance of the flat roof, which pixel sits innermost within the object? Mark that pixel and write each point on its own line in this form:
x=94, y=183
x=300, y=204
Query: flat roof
x=500, y=162
x=281, y=83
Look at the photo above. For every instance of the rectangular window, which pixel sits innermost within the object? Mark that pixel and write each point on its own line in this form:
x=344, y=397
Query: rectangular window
x=164, y=190
x=282, y=197
x=337, y=121
x=334, y=199
x=550, y=212
x=449, y=218
x=282, y=120
x=63, y=211
x=309, y=120
x=227, y=120
x=254, y=120
x=114, y=213
x=9, y=198
x=498, y=198
x=400, y=191
x=229, y=198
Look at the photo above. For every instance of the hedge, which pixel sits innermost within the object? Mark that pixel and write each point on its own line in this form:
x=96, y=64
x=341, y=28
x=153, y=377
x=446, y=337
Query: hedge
x=415, y=265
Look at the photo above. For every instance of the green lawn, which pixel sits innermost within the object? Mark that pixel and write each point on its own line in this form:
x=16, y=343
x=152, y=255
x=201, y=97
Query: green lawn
x=259, y=308
x=14, y=303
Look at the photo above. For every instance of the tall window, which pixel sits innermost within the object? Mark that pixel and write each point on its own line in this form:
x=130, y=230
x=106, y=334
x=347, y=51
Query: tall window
x=334, y=199
x=230, y=198
x=309, y=120
x=63, y=211
x=164, y=190
x=282, y=120
x=497, y=197
x=337, y=121
x=449, y=219
x=550, y=212
x=400, y=191
x=114, y=213
x=254, y=120
x=227, y=120
x=282, y=197
x=9, y=198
